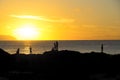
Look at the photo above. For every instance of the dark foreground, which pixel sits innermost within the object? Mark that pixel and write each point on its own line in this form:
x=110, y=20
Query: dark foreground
x=59, y=65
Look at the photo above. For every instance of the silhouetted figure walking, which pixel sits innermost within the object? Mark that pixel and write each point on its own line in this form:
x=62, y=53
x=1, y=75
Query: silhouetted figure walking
x=30, y=50
x=18, y=51
x=102, y=48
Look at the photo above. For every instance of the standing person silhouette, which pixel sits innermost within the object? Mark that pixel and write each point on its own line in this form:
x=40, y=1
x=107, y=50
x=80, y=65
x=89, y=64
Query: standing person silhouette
x=30, y=50
x=56, y=45
x=102, y=48
x=18, y=51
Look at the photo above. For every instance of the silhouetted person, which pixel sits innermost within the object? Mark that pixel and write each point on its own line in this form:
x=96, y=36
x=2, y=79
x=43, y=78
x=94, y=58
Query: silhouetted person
x=18, y=51
x=102, y=48
x=30, y=50
x=55, y=47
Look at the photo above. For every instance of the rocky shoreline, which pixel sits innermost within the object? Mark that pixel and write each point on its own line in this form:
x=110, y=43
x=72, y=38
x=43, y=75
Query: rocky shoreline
x=64, y=64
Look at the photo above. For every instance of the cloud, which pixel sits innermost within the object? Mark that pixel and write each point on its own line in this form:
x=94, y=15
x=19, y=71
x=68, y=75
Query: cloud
x=42, y=18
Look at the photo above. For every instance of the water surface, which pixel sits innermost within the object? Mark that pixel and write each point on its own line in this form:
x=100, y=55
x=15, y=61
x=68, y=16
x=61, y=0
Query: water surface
x=38, y=47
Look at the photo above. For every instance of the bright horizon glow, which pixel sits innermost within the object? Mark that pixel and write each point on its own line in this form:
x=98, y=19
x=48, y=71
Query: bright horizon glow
x=27, y=32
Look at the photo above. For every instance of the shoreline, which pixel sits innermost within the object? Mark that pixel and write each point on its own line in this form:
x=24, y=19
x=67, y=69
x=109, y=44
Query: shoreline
x=110, y=47
x=58, y=65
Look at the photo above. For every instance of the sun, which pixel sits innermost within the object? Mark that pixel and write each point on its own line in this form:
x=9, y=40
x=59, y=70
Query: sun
x=27, y=32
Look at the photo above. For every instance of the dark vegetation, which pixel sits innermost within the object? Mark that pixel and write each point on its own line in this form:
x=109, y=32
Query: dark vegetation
x=59, y=65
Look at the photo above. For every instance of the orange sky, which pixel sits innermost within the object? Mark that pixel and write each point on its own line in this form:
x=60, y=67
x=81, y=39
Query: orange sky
x=60, y=19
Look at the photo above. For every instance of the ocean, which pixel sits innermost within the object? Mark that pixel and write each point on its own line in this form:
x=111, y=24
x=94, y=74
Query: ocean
x=38, y=47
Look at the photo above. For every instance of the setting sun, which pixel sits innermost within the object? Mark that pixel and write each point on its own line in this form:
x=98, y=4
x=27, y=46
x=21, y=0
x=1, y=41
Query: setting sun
x=60, y=20
x=27, y=32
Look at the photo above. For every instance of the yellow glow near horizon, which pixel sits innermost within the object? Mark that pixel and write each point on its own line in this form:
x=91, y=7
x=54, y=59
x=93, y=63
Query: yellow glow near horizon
x=27, y=32
x=59, y=20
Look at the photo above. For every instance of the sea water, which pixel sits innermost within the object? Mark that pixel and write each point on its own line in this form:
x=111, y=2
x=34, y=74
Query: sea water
x=39, y=47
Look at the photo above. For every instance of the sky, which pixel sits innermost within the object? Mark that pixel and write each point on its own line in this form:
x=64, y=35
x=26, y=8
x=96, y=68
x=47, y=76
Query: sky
x=60, y=19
